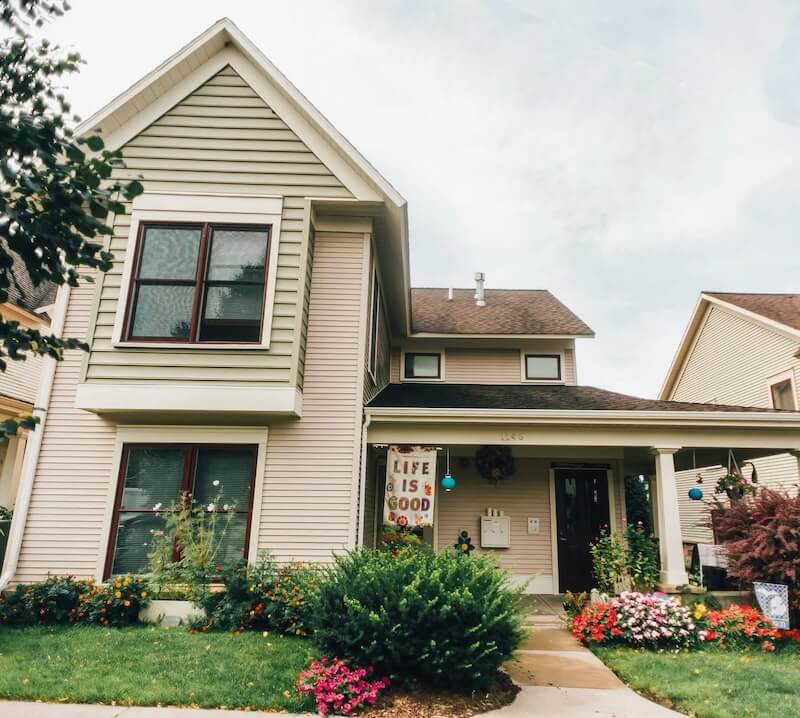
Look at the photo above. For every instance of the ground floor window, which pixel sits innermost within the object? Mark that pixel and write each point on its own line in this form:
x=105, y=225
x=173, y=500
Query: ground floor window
x=154, y=478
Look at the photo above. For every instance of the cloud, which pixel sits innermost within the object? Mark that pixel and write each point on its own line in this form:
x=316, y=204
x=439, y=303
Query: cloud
x=624, y=155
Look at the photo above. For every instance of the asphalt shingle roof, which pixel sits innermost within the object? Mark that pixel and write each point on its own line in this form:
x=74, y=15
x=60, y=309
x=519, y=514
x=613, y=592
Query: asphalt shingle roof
x=529, y=396
x=783, y=308
x=507, y=311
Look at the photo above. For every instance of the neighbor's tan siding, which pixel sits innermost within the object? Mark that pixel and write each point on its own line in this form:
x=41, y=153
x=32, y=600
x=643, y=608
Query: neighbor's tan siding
x=220, y=139
x=64, y=532
x=20, y=380
x=525, y=494
x=731, y=362
x=312, y=463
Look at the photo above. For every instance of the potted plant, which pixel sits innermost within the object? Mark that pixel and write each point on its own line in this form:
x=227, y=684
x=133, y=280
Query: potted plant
x=5, y=525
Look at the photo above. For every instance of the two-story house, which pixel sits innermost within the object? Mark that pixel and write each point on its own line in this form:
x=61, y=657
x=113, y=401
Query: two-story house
x=258, y=332
x=738, y=348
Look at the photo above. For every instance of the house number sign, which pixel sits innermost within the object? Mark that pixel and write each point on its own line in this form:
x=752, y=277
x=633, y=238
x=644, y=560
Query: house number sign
x=512, y=436
x=410, y=484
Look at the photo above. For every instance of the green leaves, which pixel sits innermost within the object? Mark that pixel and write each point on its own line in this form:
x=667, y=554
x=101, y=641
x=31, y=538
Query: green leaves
x=57, y=200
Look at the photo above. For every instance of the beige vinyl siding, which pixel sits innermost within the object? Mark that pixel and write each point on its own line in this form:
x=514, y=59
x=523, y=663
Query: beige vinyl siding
x=731, y=362
x=220, y=139
x=526, y=493
x=64, y=532
x=312, y=463
x=732, y=359
x=20, y=380
x=383, y=352
x=475, y=365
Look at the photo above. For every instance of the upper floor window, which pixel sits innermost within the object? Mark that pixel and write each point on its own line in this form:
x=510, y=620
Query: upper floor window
x=156, y=479
x=783, y=395
x=375, y=306
x=199, y=283
x=422, y=366
x=543, y=367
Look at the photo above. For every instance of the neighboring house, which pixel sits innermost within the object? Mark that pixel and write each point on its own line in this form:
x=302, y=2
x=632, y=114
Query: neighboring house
x=28, y=305
x=258, y=329
x=737, y=349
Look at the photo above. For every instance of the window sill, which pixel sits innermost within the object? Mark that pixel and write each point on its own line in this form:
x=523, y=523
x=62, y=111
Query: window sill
x=190, y=345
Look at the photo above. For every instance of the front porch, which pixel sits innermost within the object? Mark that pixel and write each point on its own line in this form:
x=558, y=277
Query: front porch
x=568, y=478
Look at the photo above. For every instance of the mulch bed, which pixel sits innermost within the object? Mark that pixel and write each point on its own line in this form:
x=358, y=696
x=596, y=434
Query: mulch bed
x=429, y=703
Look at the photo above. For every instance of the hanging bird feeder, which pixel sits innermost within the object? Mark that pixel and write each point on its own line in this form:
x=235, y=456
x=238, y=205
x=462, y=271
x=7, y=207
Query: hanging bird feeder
x=448, y=483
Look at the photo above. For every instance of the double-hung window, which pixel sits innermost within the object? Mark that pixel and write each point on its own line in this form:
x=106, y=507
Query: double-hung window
x=195, y=283
x=157, y=478
x=783, y=395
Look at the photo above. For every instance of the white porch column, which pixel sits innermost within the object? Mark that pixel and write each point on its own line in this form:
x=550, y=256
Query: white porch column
x=673, y=570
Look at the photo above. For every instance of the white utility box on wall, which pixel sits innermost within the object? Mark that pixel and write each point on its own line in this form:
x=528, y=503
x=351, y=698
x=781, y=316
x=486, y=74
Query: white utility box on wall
x=495, y=531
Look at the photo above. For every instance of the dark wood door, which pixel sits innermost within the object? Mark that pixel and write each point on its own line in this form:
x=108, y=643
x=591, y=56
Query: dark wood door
x=581, y=511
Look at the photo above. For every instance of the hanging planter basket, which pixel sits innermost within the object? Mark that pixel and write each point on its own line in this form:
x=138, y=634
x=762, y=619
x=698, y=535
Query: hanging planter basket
x=494, y=463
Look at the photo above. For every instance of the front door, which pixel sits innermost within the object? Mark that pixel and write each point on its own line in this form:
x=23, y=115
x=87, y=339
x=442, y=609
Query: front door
x=581, y=511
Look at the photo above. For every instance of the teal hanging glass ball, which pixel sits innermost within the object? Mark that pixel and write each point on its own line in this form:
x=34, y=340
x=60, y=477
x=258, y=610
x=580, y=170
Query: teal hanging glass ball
x=448, y=482
x=695, y=494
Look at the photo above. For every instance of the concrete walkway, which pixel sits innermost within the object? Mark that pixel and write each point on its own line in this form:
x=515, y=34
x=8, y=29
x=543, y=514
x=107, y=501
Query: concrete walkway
x=559, y=677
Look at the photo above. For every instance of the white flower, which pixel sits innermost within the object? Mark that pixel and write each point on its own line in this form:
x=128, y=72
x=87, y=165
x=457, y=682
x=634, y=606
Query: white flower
x=215, y=482
x=210, y=507
x=225, y=507
x=157, y=507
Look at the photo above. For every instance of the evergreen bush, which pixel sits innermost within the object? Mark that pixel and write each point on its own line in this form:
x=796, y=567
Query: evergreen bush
x=437, y=618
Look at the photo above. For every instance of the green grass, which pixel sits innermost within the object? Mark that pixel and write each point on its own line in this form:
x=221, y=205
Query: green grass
x=151, y=666
x=714, y=684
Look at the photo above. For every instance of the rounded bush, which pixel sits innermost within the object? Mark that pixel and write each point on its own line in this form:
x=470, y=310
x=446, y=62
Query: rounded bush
x=438, y=618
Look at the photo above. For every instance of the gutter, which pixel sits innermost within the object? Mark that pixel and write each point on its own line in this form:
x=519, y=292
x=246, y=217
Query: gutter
x=34, y=445
x=787, y=419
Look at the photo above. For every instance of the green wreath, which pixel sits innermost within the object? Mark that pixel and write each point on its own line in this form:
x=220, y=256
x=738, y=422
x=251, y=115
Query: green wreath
x=494, y=463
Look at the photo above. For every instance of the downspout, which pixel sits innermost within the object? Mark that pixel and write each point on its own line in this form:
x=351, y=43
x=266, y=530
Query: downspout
x=34, y=446
x=362, y=489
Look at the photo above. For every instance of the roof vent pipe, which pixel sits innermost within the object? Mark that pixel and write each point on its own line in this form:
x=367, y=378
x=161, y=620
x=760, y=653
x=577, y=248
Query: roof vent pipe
x=450, y=294
x=480, y=296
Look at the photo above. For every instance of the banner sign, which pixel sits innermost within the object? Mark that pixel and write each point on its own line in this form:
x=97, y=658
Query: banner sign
x=410, y=486
x=773, y=600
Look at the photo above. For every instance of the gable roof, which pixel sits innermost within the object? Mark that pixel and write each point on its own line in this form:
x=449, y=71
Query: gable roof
x=507, y=311
x=224, y=44
x=779, y=312
x=551, y=397
x=781, y=308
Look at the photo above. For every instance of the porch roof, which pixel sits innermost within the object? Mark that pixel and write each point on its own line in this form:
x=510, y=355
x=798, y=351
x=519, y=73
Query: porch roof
x=533, y=397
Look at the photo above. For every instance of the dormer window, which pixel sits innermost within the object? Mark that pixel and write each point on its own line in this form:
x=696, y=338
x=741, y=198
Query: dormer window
x=418, y=365
x=199, y=283
x=543, y=367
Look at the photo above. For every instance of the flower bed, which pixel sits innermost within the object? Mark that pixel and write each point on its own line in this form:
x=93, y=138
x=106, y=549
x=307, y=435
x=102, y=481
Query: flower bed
x=658, y=621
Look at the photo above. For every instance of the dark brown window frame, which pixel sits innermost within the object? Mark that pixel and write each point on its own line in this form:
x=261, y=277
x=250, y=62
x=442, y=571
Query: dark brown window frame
x=189, y=470
x=200, y=282
x=781, y=382
x=438, y=356
x=375, y=310
x=557, y=357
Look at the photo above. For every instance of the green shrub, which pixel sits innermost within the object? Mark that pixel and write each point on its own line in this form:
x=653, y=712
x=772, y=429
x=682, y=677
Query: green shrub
x=263, y=596
x=642, y=560
x=63, y=600
x=438, y=618
x=608, y=561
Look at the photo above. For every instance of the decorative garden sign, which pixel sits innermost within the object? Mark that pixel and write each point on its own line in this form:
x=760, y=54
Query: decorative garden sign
x=773, y=600
x=410, y=486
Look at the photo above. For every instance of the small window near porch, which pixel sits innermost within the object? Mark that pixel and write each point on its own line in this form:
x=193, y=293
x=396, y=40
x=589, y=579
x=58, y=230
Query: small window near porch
x=783, y=395
x=543, y=367
x=422, y=366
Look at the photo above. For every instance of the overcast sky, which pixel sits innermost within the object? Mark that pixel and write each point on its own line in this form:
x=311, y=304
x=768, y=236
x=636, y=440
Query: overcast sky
x=624, y=154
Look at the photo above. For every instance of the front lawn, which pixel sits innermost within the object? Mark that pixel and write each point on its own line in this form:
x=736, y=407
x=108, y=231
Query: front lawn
x=151, y=666
x=711, y=683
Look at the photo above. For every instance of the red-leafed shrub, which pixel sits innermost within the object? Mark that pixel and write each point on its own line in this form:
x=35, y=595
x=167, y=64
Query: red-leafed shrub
x=597, y=623
x=762, y=536
x=739, y=627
